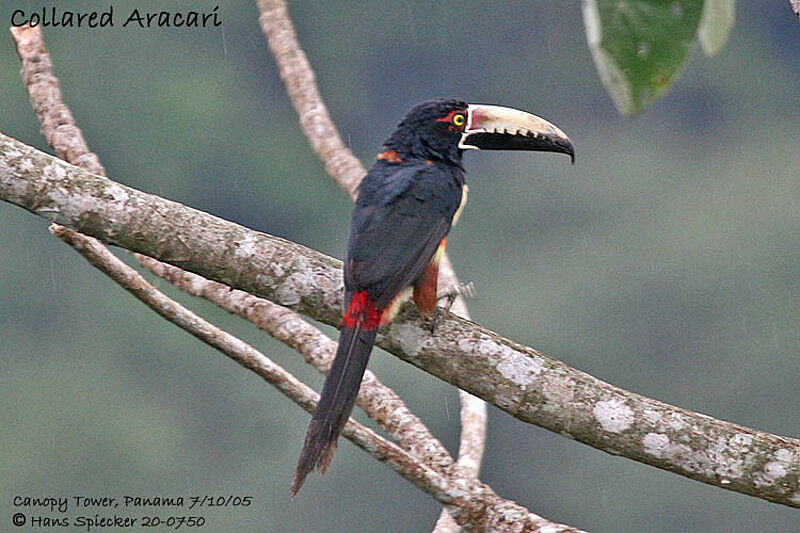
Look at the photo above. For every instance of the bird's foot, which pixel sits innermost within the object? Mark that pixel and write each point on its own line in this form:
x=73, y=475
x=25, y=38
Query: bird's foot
x=467, y=290
x=449, y=295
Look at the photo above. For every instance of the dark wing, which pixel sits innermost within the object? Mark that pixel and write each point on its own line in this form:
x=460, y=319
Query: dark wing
x=401, y=216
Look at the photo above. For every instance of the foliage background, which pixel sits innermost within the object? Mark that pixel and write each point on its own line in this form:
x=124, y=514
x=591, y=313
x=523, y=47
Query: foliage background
x=665, y=261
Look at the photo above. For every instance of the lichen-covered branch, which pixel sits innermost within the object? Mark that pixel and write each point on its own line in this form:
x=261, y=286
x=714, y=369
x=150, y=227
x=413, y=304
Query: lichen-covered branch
x=531, y=386
x=473, y=409
x=472, y=503
x=57, y=123
x=169, y=231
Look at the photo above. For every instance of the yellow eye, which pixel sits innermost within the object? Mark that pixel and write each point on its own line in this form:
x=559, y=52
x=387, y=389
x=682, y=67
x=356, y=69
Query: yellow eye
x=459, y=120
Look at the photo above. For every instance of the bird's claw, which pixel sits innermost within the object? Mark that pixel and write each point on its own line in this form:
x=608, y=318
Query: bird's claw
x=467, y=290
x=449, y=295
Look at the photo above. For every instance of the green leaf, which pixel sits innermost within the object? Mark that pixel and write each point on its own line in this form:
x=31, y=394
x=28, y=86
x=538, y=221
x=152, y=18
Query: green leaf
x=639, y=46
x=716, y=24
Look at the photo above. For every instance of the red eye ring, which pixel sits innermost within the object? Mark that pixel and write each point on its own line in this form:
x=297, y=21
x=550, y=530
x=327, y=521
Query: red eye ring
x=456, y=117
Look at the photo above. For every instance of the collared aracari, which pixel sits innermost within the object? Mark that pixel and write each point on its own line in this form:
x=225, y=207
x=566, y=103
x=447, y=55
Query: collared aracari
x=406, y=205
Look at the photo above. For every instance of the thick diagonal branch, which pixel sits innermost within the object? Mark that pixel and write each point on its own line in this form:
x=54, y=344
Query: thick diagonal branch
x=531, y=386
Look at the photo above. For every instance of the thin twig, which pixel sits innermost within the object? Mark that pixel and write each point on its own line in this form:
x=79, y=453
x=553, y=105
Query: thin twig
x=347, y=171
x=297, y=74
x=57, y=123
x=473, y=410
x=529, y=385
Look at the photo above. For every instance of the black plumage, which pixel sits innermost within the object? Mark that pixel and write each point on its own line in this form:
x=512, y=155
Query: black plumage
x=402, y=214
x=405, y=208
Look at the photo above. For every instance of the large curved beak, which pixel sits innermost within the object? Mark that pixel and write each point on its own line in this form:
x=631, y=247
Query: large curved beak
x=491, y=127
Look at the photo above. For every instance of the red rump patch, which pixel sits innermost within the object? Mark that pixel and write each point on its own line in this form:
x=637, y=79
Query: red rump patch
x=361, y=311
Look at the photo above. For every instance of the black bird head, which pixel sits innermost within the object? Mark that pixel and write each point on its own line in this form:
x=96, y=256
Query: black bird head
x=443, y=129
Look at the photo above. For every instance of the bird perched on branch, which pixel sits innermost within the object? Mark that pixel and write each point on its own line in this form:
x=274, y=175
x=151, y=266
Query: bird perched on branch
x=407, y=203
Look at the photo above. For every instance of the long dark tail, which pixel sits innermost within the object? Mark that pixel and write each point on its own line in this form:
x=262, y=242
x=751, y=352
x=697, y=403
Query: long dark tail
x=338, y=394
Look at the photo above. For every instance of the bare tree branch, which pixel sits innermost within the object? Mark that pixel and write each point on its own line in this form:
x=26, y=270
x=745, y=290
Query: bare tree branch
x=58, y=124
x=527, y=384
x=473, y=410
x=474, y=504
x=347, y=171
x=298, y=76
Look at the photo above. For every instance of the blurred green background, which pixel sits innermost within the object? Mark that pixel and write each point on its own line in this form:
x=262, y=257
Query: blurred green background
x=665, y=261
